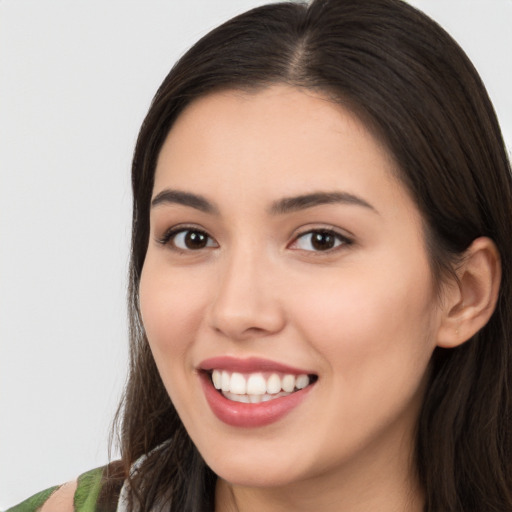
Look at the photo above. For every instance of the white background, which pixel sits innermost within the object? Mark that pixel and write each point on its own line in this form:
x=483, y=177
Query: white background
x=76, y=78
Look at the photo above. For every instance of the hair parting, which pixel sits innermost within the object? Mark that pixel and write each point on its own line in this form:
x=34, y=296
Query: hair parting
x=412, y=84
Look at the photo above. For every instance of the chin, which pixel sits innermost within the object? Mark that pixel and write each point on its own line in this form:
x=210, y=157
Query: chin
x=256, y=468
x=249, y=475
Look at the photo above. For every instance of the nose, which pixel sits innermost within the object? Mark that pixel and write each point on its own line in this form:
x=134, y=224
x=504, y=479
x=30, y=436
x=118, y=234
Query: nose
x=247, y=303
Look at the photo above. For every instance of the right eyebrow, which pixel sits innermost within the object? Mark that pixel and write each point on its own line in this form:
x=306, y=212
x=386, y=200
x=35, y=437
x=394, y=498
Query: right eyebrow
x=302, y=202
x=169, y=196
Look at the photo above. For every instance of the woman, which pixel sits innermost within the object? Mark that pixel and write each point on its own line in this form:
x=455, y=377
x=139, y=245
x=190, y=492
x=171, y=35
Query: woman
x=320, y=275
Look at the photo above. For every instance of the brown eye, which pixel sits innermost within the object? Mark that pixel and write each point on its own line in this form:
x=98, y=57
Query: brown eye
x=319, y=240
x=192, y=240
x=322, y=241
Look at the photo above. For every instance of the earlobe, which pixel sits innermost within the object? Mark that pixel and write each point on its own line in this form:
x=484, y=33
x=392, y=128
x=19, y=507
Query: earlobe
x=470, y=301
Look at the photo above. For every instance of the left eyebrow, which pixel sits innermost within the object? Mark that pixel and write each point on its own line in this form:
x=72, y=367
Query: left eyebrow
x=302, y=202
x=195, y=201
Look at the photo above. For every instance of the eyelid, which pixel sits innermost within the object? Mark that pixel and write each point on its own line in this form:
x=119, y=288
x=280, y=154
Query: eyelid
x=171, y=233
x=343, y=238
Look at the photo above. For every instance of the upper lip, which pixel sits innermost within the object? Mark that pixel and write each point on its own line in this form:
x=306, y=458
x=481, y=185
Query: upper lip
x=248, y=365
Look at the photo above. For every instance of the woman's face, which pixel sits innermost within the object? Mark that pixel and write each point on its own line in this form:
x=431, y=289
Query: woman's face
x=285, y=255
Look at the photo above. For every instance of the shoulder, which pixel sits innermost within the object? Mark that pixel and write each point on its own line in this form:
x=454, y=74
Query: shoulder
x=55, y=499
x=81, y=495
x=62, y=500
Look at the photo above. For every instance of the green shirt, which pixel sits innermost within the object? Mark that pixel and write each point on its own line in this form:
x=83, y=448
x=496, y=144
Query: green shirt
x=86, y=494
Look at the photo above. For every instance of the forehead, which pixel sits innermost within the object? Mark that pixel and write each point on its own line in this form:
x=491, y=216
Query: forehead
x=276, y=141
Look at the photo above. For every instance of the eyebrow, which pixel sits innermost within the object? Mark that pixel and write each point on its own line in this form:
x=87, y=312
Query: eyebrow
x=302, y=202
x=198, y=202
x=279, y=207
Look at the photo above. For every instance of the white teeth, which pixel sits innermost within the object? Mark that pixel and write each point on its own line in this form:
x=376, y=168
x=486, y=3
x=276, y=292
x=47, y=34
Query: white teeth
x=302, y=381
x=255, y=399
x=217, y=379
x=288, y=383
x=254, y=388
x=237, y=398
x=226, y=378
x=256, y=384
x=273, y=384
x=237, y=384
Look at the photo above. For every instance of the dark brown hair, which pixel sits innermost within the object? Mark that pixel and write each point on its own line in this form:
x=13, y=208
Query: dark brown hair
x=408, y=80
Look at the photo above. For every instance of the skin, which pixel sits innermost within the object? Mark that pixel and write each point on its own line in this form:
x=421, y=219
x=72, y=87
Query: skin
x=62, y=499
x=363, y=316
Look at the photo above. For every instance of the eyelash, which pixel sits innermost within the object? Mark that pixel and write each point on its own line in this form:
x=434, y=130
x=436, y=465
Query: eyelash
x=171, y=234
x=339, y=239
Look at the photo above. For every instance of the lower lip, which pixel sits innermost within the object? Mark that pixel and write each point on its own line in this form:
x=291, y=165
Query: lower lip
x=239, y=414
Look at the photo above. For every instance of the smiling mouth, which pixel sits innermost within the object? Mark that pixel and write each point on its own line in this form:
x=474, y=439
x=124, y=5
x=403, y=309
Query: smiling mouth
x=258, y=387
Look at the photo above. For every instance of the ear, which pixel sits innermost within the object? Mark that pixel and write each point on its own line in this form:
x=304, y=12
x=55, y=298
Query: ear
x=469, y=301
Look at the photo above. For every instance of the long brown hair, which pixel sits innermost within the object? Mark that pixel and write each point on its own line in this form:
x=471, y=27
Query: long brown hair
x=413, y=85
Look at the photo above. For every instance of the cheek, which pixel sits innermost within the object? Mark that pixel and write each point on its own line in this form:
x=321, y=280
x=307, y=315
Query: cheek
x=372, y=320
x=171, y=309
x=374, y=331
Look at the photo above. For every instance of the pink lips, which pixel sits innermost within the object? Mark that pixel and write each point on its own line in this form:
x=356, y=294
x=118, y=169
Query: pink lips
x=252, y=364
x=245, y=415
